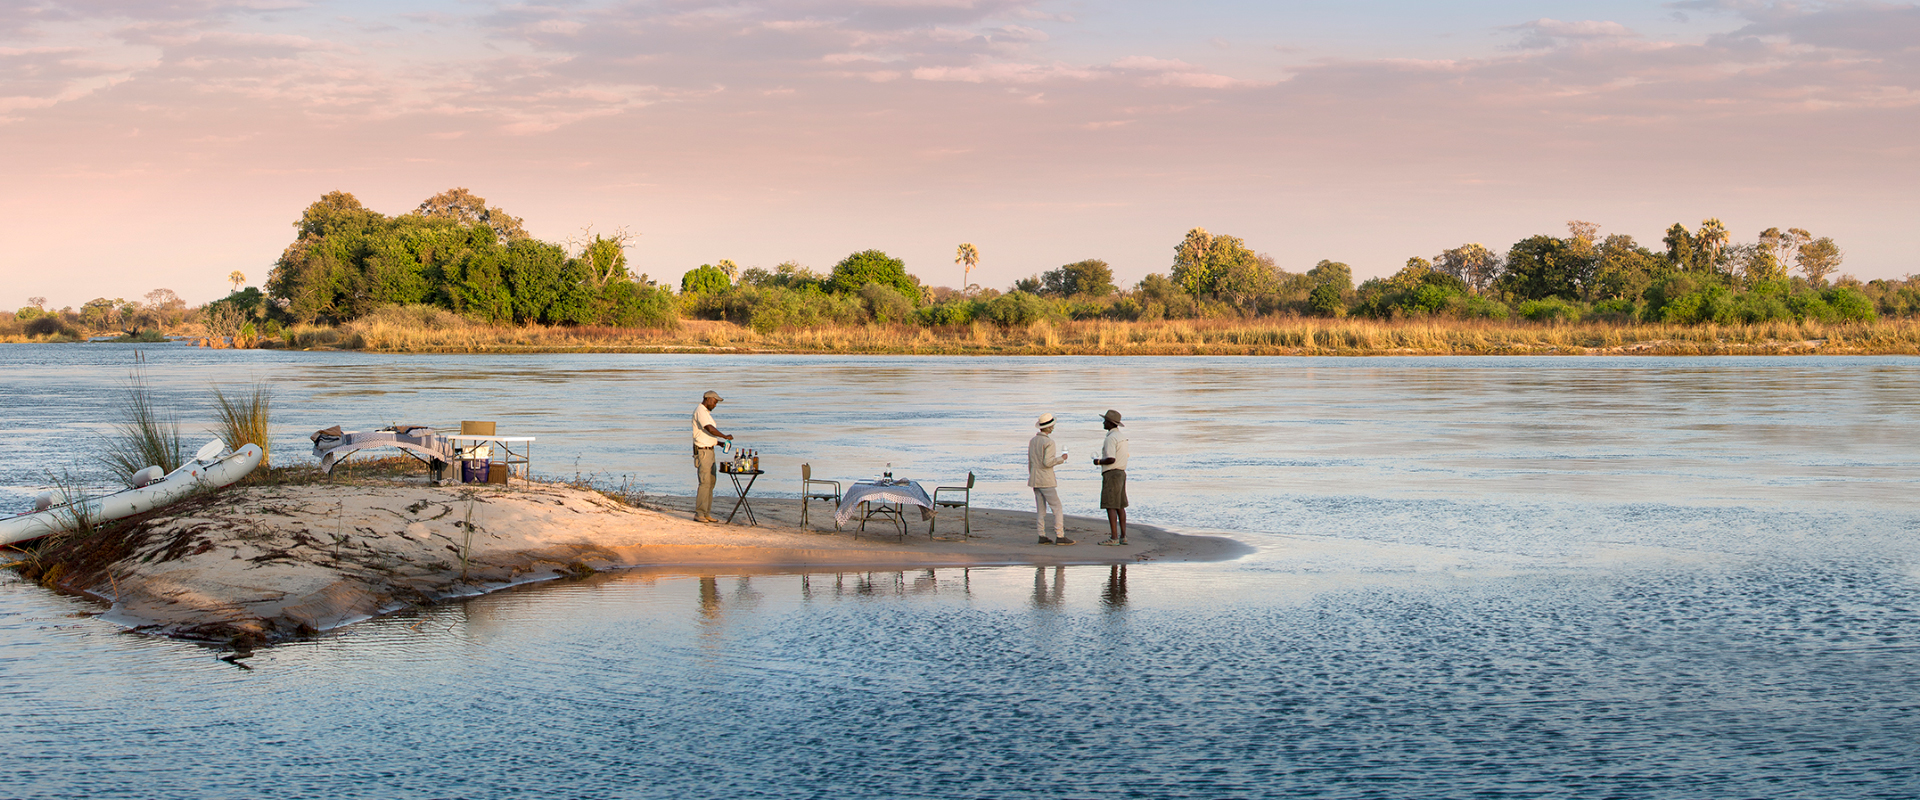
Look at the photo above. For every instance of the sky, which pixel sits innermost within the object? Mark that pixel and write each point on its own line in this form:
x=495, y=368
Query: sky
x=167, y=143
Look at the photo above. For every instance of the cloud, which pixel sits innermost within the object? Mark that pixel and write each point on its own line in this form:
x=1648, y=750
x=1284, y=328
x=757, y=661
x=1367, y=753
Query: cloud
x=1546, y=33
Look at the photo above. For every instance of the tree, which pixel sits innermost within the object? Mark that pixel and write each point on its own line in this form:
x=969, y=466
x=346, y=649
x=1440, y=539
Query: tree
x=38, y=303
x=1473, y=264
x=1783, y=246
x=726, y=265
x=466, y=208
x=1332, y=281
x=1710, y=246
x=236, y=278
x=1542, y=266
x=1089, y=277
x=1192, y=262
x=1622, y=269
x=967, y=256
x=704, y=279
x=874, y=266
x=1818, y=258
x=1680, y=247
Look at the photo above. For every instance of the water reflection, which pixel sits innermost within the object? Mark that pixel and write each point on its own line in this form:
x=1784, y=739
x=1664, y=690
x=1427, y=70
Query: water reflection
x=1114, y=596
x=1045, y=595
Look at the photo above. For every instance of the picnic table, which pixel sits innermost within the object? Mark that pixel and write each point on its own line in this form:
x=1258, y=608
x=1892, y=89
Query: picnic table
x=884, y=498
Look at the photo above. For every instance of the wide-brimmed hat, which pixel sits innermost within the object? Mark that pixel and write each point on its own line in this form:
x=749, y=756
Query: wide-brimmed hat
x=711, y=395
x=1045, y=421
x=1111, y=416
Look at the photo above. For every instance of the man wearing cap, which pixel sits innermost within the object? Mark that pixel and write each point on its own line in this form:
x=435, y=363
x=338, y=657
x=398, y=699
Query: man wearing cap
x=1112, y=462
x=1041, y=459
x=705, y=436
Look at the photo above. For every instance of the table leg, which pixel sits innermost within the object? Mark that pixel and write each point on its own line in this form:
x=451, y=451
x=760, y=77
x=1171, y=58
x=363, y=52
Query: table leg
x=742, y=502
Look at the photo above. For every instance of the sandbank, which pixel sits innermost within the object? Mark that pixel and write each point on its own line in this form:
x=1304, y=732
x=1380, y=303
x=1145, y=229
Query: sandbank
x=256, y=564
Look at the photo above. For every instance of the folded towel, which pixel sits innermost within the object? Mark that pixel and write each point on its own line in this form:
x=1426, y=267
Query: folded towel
x=326, y=433
x=408, y=430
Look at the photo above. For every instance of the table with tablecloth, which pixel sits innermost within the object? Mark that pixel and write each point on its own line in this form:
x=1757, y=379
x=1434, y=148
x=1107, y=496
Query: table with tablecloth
x=899, y=493
x=333, y=445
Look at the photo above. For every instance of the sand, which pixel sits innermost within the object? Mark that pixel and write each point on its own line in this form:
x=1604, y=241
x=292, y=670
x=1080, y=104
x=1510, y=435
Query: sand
x=256, y=564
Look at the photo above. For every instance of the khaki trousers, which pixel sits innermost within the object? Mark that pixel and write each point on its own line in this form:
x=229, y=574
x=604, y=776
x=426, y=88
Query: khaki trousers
x=703, y=466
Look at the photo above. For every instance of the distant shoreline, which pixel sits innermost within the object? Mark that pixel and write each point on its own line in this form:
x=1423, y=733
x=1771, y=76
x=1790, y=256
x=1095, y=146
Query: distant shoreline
x=1269, y=336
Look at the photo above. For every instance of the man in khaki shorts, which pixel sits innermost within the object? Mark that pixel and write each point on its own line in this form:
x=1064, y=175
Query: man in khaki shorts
x=705, y=436
x=1112, y=462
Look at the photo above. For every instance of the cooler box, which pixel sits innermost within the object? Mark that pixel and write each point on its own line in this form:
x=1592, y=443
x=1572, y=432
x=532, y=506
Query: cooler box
x=475, y=470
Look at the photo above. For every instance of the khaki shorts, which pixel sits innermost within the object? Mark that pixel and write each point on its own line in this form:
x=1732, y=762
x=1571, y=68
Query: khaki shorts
x=1113, y=488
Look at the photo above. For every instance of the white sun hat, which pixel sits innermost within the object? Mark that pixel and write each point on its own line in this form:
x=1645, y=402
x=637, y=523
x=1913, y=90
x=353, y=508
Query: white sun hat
x=1045, y=421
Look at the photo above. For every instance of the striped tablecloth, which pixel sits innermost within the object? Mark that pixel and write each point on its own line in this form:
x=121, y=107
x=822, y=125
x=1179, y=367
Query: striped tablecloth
x=905, y=493
x=330, y=449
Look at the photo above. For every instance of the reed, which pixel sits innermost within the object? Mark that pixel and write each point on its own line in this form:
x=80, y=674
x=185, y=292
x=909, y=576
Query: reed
x=244, y=417
x=144, y=436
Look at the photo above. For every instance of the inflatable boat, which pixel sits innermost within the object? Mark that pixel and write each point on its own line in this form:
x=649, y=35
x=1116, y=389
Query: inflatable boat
x=211, y=468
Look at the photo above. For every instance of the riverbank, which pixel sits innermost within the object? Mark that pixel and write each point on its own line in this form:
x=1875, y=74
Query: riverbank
x=1271, y=336
x=263, y=563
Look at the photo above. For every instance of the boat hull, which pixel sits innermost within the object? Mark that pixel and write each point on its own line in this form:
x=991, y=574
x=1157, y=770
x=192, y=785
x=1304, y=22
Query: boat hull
x=194, y=476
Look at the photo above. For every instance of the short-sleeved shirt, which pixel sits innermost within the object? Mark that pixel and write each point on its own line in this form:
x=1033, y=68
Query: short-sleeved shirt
x=1115, y=447
x=701, y=419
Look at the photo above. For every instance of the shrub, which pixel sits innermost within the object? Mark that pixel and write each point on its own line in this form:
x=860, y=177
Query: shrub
x=1549, y=309
x=885, y=303
x=1474, y=306
x=1325, y=300
x=1849, y=305
x=1017, y=308
x=1617, y=310
x=52, y=326
x=1811, y=306
x=959, y=312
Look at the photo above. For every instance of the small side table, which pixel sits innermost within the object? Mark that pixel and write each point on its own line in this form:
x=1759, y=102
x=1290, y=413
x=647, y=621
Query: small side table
x=742, y=489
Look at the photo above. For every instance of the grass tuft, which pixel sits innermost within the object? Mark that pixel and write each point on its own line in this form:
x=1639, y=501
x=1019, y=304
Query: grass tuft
x=244, y=418
x=144, y=436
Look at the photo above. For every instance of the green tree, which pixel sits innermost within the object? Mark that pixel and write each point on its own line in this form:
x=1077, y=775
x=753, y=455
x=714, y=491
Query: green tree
x=1193, y=262
x=704, y=279
x=1817, y=259
x=1681, y=251
x=1542, y=266
x=1089, y=277
x=1622, y=269
x=874, y=266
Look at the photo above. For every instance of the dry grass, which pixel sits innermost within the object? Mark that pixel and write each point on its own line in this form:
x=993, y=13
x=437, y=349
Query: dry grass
x=442, y=332
x=244, y=418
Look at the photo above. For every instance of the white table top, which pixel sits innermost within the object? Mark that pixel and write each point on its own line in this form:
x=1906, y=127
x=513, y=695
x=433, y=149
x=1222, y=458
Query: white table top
x=469, y=437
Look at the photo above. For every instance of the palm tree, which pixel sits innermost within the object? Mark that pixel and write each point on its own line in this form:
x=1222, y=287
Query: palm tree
x=969, y=256
x=237, y=278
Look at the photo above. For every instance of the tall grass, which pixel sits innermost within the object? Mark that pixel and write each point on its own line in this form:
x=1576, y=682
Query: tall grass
x=421, y=330
x=144, y=436
x=244, y=417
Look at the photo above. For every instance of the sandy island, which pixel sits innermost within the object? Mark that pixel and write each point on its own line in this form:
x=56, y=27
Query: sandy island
x=257, y=564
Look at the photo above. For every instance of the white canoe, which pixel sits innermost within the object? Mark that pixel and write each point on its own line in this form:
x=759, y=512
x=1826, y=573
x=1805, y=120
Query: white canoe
x=208, y=470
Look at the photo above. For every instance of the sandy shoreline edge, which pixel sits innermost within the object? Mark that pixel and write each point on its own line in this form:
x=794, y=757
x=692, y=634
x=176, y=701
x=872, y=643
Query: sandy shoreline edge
x=259, y=564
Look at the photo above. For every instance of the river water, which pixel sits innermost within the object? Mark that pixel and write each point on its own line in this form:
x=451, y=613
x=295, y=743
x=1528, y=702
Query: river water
x=1520, y=577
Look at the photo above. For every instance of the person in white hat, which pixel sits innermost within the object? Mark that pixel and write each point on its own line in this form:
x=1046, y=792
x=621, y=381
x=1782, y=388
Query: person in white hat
x=1042, y=456
x=705, y=436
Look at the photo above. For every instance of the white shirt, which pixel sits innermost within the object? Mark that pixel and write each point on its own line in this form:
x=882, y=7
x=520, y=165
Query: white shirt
x=1115, y=447
x=701, y=419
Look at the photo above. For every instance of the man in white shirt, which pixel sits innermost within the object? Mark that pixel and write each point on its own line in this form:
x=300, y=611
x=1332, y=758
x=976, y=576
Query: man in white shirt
x=1041, y=459
x=1112, y=462
x=705, y=436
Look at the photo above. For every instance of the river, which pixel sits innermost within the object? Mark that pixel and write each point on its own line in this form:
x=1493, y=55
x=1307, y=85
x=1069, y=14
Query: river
x=1485, y=577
